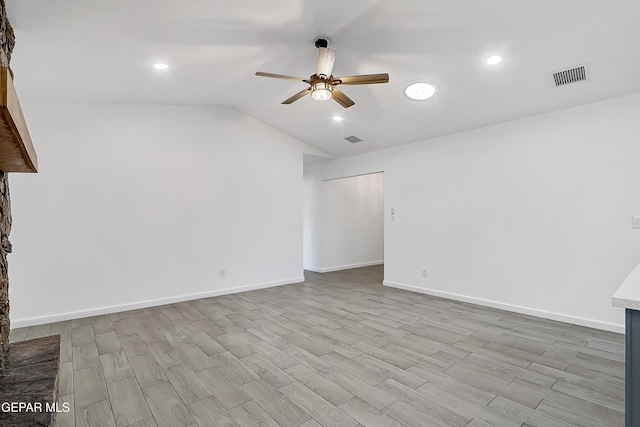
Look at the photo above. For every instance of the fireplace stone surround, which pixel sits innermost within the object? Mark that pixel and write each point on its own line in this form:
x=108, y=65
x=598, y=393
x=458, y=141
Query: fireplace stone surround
x=5, y=248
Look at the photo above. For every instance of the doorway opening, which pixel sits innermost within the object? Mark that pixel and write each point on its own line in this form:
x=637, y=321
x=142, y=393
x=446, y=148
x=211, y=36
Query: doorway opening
x=343, y=221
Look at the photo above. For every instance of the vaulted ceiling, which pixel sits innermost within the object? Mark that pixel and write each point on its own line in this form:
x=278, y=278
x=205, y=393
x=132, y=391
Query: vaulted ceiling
x=104, y=51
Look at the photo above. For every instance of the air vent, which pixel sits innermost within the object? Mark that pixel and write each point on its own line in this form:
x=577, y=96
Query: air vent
x=572, y=75
x=353, y=139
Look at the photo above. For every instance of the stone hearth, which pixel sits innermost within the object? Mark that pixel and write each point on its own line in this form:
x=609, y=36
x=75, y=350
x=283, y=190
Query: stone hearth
x=29, y=383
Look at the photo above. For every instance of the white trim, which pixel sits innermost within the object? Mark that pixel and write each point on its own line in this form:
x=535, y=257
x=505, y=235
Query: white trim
x=344, y=267
x=591, y=323
x=30, y=321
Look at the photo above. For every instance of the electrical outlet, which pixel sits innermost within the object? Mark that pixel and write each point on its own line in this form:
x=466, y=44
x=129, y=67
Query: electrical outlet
x=424, y=272
x=223, y=272
x=635, y=222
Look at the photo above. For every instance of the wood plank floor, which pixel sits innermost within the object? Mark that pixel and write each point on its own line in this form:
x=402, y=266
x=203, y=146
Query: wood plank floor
x=339, y=350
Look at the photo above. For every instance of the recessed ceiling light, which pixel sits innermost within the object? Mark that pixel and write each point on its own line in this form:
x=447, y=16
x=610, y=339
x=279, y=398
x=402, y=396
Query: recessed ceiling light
x=160, y=66
x=420, y=91
x=337, y=118
x=493, y=60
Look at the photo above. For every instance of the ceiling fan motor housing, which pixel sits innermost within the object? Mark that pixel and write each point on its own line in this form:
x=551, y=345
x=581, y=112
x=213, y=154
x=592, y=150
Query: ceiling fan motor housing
x=321, y=42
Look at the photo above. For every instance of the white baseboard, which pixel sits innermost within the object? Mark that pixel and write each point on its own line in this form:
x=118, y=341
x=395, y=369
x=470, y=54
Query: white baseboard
x=344, y=267
x=591, y=323
x=30, y=321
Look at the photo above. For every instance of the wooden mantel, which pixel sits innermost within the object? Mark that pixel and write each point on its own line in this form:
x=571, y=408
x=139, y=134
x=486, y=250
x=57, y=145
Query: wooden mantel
x=16, y=149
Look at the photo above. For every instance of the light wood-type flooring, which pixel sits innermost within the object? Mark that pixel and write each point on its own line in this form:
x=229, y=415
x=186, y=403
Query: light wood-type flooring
x=338, y=350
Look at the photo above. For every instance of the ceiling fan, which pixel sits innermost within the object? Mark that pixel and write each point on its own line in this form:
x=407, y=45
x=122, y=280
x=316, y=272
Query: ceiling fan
x=322, y=85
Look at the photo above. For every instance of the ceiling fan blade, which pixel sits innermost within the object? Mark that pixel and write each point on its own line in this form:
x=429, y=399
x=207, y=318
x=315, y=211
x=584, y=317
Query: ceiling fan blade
x=281, y=76
x=341, y=98
x=297, y=96
x=326, y=59
x=365, y=79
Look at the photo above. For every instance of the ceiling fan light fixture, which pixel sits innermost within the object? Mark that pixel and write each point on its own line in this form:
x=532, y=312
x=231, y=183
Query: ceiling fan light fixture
x=321, y=91
x=420, y=91
x=494, y=60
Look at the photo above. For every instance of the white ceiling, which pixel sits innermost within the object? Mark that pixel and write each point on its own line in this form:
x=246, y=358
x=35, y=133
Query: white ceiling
x=103, y=51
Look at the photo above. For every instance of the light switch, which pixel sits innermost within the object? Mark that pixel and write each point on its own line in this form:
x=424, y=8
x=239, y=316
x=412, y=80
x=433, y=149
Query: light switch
x=635, y=222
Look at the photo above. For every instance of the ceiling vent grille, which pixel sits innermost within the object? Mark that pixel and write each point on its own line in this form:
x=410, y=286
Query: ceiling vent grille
x=572, y=75
x=353, y=139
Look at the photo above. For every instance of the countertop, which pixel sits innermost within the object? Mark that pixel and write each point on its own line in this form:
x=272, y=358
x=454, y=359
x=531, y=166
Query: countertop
x=628, y=294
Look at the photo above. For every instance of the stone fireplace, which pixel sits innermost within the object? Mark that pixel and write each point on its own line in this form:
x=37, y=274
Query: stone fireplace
x=5, y=248
x=7, y=42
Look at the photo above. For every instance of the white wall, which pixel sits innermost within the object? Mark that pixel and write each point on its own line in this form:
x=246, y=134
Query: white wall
x=313, y=199
x=532, y=215
x=141, y=205
x=344, y=221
